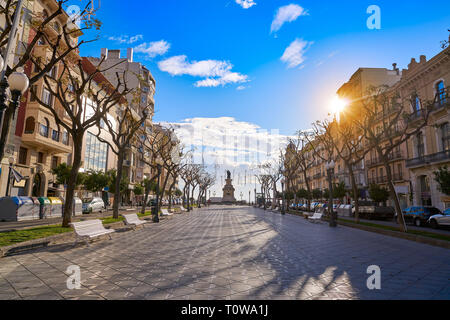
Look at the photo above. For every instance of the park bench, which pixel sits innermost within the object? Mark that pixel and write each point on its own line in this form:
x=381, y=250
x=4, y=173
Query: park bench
x=183, y=209
x=316, y=217
x=90, y=229
x=165, y=212
x=133, y=220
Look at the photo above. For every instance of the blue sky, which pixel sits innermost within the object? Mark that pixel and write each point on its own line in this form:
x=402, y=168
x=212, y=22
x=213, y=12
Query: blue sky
x=201, y=52
x=274, y=96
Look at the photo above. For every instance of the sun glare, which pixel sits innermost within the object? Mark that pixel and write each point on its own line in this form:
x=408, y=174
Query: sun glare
x=338, y=105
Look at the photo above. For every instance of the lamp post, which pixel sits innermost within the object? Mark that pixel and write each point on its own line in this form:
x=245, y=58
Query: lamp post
x=330, y=170
x=17, y=83
x=249, y=200
x=283, y=210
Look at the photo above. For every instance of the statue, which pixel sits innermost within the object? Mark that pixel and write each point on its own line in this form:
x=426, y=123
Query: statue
x=228, y=174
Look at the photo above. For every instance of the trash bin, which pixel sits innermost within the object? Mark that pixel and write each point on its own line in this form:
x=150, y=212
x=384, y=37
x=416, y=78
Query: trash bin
x=9, y=208
x=345, y=210
x=56, y=207
x=45, y=208
x=36, y=208
x=77, y=207
x=27, y=209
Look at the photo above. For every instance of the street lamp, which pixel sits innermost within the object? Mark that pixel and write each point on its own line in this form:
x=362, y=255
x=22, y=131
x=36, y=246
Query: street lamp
x=17, y=83
x=330, y=170
x=283, y=210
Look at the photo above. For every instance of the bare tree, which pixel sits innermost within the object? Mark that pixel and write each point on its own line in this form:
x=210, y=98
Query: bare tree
x=128, y=128
x=77, y=85
x=302, y=158
x=206, y=181
x=60, y=47
x=386, y=124
x=151, y=148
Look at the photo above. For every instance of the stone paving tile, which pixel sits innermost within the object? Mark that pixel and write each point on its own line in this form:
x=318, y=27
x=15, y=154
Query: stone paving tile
x=232, y=253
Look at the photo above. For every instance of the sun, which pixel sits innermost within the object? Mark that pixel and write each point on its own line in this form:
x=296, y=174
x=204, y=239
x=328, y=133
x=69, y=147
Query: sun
x=338, y=105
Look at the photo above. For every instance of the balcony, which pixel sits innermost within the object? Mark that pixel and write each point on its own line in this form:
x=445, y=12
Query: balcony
x=127, y=163
x=434, y=158
x=47, y=139
x=397, y=155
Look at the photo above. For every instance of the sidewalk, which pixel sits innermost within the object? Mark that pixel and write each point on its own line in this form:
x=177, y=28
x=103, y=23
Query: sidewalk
x=392, y=223
x=18, y=225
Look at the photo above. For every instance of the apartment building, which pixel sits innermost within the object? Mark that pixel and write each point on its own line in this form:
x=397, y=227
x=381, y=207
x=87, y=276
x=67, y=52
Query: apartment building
x=425, y=84
x=36, y=142
x=140, y=80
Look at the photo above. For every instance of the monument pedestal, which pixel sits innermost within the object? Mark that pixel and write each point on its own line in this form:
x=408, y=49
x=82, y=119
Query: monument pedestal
x=228, y=192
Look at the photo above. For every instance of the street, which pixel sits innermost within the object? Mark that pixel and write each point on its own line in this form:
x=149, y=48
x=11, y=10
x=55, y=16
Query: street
x=230, y=252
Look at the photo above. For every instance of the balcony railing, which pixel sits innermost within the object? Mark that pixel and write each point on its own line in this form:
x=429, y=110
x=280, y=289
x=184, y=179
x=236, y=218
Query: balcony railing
x=397, y=155
x=428, y=159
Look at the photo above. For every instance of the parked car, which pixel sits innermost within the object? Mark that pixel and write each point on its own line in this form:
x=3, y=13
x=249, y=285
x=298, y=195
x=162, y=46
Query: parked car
x=440, y=220
x=419, y=215
x=370, y=210
x=91, y=205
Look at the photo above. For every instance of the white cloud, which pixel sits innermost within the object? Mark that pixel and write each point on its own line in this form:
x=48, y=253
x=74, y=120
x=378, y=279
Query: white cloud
x=226, y=140
x=153, y=49
x=126, y=39
x=241, y=88
x=294, y=55
x=226, y=143
x=217, y=73
x=246, y=3
x=285, y=14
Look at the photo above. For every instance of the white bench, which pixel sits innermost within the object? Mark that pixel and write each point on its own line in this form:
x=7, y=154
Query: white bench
x=87, y=230
x=165, y=212
x=133, y=220
x=316, y=217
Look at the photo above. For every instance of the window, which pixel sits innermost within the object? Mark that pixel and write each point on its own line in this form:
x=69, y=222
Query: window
x=420, y=145
x=44, y=128
x=417, y=105
x=56, y=26
x=33, y=93
x=54, y=162
x=47, y=97
x=55, y=135
x=41, y=41
x=23, y=152
x=65, y=138
x=41, y=158
x=440, y=93
x=445, y=134
x=30, y=124
x=96, y=154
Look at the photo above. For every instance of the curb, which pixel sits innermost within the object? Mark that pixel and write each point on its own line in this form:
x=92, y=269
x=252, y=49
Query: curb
x=401, y=235
x=395, y=234
x=51, y=240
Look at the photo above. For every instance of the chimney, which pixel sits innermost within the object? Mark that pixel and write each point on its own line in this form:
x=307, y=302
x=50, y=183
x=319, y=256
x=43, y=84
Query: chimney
x=130, y=54
x=394, y=67
x=104, y=53
x=423, y=59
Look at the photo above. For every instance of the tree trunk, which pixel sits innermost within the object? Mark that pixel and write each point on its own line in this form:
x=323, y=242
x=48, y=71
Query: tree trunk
x=355, y=192
x=161, y=193
x=71, y=184
x=120, y=159
x=308, y=188
x=398, y=209
x=170, y=194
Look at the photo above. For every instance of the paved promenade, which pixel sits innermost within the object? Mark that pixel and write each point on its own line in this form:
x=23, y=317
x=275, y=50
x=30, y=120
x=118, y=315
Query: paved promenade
x=232, y=253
